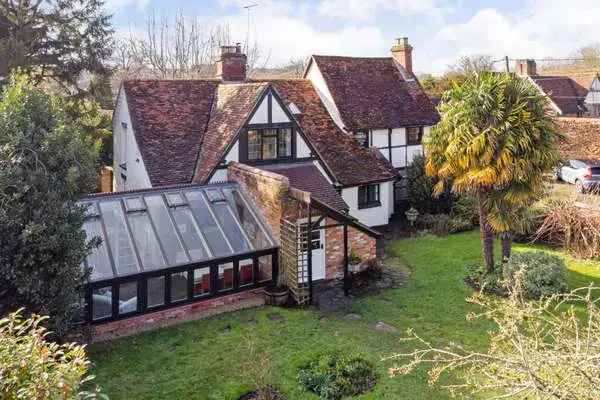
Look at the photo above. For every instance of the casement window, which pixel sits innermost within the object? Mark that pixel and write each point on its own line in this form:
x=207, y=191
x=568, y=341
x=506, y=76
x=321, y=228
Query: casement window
x=269, y=144
x=368, y=196
x=414, y=135
x=362, y=137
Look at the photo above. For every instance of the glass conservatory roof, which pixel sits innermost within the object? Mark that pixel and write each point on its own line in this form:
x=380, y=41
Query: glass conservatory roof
x=162, y=228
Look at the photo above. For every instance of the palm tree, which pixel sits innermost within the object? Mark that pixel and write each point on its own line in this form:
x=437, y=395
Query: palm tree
x=496, y=141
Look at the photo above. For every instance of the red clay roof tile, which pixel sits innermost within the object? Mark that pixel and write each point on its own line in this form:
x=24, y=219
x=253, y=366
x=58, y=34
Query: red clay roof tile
x=374, y=93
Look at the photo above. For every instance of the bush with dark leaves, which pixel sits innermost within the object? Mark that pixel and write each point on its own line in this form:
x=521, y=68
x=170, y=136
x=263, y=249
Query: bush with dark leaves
x=333, y=376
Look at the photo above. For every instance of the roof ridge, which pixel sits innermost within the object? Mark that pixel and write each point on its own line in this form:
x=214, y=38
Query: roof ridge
x=353, y=57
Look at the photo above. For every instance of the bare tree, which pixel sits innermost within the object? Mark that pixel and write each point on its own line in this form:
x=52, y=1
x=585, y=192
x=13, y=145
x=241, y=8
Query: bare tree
x=470, y=64
x=546, y=349
x=179, y=47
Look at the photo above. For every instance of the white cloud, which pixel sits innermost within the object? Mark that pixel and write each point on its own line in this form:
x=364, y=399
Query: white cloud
x=283, y=34
x=543, y=28
x=367, y=10
x=116, y=5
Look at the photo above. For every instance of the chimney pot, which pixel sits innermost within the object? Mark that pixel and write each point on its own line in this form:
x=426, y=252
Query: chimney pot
x=402, y=52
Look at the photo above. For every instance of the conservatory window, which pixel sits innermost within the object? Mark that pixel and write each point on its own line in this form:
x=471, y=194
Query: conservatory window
x=246, y=272
x=102, y=303
x=128, y=300
x=202, y=283
x=156, y=291
x=226, y=276
x=179, y=286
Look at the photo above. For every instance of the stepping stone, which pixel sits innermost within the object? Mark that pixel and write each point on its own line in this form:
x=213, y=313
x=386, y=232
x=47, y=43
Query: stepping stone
x=353, y=316
x=383, y=327
x=275, y=317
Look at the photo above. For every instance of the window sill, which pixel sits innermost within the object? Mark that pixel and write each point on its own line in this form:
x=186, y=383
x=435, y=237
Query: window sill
x=369, y=205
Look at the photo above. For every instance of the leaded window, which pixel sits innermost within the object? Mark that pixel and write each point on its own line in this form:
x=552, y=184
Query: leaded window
x=269, y=144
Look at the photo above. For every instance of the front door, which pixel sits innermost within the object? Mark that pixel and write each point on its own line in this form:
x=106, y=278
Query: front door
x=317, y=243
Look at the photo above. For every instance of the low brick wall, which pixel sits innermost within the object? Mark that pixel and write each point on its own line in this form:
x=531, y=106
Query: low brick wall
x=177, y=315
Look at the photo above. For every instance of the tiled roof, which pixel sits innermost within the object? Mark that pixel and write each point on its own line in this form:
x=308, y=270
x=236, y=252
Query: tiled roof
x=350, y=163
x=564, y=92
x=232, y=106
x=183, y=128
x=375, y=93
x=307, y=177
x=169, y=119
x=583, y=138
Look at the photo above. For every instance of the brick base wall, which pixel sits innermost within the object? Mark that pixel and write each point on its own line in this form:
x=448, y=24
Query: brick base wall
x=363, y=245
x=177, y=315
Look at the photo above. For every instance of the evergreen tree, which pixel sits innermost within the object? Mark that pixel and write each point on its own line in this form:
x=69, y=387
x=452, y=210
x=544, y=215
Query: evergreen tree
x=46, y=165
x=55, y=39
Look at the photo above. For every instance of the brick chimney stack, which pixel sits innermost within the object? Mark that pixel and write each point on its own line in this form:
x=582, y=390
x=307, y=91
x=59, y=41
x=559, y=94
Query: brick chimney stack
x=526, y=67
x=402, y=52
x=231, y=66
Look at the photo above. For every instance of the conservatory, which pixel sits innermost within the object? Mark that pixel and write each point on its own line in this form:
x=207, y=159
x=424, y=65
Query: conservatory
x=165, y=247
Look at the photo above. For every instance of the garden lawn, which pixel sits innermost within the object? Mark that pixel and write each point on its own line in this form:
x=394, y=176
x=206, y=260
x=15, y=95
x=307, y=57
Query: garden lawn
x=202, y=359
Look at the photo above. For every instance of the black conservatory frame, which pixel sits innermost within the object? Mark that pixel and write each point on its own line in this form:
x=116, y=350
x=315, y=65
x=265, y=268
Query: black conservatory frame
x=142, y=284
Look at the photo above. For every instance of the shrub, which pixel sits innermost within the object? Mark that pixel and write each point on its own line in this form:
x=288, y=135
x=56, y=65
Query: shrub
x=420, y=190
x=543, y=273
x=31, y=367
x=528, y=225
x=46, y=165
x=572, y=226
x=444, y=224
x=334, y=376
x=465, y=208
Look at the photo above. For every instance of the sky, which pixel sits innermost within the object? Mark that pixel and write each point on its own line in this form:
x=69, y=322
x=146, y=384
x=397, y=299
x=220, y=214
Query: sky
x=440, y=31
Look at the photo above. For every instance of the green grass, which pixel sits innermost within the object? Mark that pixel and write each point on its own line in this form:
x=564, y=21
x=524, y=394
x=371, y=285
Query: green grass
x=201, y=359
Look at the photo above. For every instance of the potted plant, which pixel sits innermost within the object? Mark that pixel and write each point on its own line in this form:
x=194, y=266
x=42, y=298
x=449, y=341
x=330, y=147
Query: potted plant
x=354, y=262
x=277, y=294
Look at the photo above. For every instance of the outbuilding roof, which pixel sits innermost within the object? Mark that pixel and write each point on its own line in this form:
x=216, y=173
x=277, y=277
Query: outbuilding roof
x=375, y=93
x=306, y=177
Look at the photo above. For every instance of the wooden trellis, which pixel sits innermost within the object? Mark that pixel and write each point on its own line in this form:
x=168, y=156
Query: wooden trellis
x=294, y=260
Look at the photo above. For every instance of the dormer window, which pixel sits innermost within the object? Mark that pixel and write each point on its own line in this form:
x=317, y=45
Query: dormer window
x=269, y=144
x=362, y=137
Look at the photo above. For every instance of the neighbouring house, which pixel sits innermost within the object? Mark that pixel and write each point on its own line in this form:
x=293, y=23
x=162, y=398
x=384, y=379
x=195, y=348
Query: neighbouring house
x=592, y=100
x=567, y=96
x=314, y=160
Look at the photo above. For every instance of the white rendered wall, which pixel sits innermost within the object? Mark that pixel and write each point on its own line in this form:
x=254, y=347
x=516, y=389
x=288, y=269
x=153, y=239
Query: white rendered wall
x=302, y=149
x=261, y=115
x=126, y=150
x=374, y=216
x=277, y=113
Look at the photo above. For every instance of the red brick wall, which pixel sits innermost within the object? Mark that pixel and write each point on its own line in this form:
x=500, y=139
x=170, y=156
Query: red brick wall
x=232, y=67
x=362, y=244
x=177, y=315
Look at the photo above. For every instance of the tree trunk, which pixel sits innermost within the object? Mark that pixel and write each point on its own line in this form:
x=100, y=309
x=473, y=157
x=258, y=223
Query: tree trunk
x=487, y=236
x=506, y=245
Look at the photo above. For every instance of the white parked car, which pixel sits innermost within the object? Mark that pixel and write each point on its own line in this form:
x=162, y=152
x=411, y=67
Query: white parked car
x=584, y=174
